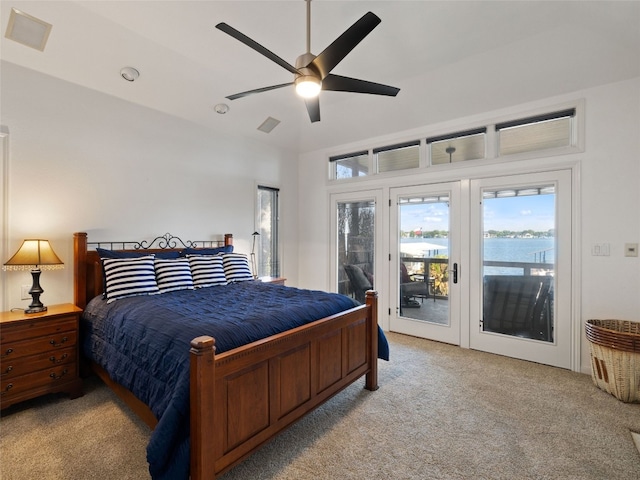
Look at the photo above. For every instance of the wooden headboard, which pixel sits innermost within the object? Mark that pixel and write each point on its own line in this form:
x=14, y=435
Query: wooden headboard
x=87, y=274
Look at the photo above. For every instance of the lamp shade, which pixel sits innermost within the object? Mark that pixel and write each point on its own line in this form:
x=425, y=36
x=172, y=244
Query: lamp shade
x=34, y=253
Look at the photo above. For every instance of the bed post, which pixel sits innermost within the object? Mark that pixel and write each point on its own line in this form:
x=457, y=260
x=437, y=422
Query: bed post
x=371, y=382
x=80, y=269
x=202, y=381
x=228, y=239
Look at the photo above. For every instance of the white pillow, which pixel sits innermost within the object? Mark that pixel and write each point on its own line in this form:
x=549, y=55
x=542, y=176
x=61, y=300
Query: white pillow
x=125, y=277
x=173, y=274
x=206, y=270
x=236, y=267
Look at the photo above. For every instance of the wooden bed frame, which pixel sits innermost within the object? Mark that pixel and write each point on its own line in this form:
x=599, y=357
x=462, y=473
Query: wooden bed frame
x=242, y=398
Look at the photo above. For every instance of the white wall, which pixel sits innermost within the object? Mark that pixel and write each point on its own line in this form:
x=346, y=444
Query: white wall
x=80, y=160
x=609, y=203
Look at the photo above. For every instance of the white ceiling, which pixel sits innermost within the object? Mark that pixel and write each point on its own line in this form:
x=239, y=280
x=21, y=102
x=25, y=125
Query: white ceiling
x=449, y=58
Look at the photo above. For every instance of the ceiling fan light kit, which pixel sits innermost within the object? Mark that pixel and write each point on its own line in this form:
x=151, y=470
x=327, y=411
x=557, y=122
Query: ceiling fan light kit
x=313, y=73
x=308, y=86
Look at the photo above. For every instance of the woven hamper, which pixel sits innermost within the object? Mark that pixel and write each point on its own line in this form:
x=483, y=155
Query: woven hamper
x=615, y=357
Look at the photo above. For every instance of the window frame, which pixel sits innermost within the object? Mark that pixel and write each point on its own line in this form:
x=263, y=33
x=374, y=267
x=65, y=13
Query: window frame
x=275, y=269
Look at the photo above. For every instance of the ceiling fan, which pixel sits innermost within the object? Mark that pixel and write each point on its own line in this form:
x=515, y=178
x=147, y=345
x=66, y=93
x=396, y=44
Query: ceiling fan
x=313, y=73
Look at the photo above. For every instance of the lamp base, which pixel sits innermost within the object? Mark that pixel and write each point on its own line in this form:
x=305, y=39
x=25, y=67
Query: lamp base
x=36, y=305
x=36, y=309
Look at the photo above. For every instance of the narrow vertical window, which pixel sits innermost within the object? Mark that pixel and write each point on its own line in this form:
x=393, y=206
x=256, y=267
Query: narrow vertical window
x=266, y=243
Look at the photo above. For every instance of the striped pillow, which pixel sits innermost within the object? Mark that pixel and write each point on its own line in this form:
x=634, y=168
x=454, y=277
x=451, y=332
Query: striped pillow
x=236, y=267
x=125, y=277
x=206, y=270
x=173, y=275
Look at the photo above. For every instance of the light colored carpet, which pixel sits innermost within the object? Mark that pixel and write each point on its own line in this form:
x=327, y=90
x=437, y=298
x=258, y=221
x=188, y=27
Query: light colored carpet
x=441, y=413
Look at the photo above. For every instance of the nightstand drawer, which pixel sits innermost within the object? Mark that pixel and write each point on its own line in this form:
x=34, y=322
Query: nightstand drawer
x=48, y=378
x=36, y=328
x=24, y=365
x=49, y=344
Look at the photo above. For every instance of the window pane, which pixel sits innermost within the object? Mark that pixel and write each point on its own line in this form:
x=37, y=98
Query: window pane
x=398, y=159
x=356, y=233
x=355, y=166
x=535, y=136
x=460, y=149
x=518, y=266
x=266, y=243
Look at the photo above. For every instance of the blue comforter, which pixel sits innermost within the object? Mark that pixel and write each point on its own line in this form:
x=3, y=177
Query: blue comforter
x=143, y=343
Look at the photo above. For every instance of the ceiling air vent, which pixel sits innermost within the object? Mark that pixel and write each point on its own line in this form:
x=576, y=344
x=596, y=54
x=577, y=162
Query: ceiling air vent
x=27, y=30
x=269, y=124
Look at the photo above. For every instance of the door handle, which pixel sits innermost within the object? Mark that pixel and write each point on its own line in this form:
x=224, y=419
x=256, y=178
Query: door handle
x=455, y=273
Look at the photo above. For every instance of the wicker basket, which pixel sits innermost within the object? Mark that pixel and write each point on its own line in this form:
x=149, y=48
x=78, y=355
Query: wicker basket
x=615, y=357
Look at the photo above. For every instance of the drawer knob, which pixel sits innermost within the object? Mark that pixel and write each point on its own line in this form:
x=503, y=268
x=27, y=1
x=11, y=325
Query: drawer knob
x=57, y=377
x=52, y=359
x=7, y=388
x=9, y=351
x=8, y=369
x=53, y=342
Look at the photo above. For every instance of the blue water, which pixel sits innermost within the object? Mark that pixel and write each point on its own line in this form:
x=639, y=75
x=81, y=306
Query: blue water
x=505, y=250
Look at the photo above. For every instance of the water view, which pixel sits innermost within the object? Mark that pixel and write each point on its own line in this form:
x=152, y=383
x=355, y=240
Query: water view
x=526, y=250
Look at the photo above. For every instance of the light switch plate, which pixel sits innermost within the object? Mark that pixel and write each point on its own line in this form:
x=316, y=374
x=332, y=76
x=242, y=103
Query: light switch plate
x=630, y=249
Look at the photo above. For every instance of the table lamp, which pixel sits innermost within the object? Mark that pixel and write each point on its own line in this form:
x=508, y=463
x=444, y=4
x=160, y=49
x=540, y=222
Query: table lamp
x=35, y=255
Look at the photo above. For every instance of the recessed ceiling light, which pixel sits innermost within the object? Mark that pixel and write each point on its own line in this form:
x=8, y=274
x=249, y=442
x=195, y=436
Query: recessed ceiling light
x=27, y=30
x=130, y=74
x=221, y=108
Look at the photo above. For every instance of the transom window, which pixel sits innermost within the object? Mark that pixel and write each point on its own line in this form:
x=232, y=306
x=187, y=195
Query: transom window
x=398, y=157
x=549, y=133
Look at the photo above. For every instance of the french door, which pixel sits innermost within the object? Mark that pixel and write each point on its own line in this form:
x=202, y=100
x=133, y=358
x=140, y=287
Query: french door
x=520, y=269
x=480, y=263
x=425, y=261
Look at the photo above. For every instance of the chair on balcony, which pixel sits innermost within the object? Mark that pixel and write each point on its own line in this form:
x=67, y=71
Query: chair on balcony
x=359, y=281
x=519, y=306
x=411, y=289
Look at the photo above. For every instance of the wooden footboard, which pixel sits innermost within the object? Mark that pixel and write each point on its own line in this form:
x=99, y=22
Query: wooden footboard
x=242, y=398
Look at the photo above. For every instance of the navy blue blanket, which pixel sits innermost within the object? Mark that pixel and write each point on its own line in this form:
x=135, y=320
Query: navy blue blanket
x=143, y=343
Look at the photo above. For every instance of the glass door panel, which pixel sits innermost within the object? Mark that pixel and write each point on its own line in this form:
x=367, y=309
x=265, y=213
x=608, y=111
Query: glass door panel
x=520, y=267
x=356, y=247
x=426, y=261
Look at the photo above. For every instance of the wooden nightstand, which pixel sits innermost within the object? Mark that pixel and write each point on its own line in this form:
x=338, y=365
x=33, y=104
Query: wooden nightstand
x=39, y=354
x=275, y=280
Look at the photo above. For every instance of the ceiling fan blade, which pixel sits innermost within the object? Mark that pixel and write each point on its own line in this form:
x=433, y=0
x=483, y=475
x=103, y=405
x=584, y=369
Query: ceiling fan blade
x=313, y=107
x=338, y=83
x=257, y=90
x=256, y=46
x=334, y=53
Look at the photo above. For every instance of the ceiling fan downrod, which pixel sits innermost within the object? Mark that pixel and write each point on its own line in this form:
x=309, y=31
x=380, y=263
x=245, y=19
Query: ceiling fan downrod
x=308, y=83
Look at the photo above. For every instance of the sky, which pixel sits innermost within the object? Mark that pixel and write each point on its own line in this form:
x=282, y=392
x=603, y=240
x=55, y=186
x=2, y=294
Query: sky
x=535, y=212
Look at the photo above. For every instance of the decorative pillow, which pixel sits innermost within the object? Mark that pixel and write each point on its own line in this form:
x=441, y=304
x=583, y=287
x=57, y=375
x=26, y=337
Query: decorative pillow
x=206, y=270
x=206, y=251
x=104, y=253
x=125, y=277
x=173, y=274
x=236, y=267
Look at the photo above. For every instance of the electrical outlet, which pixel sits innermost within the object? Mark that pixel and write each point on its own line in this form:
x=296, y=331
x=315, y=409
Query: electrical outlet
x=24, y=292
